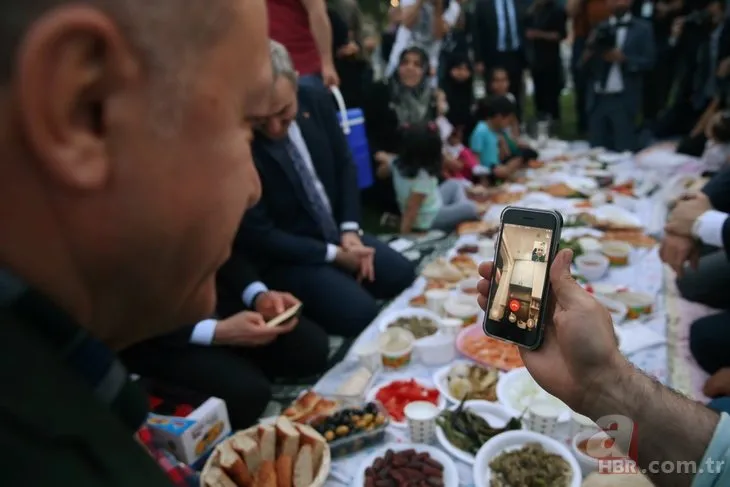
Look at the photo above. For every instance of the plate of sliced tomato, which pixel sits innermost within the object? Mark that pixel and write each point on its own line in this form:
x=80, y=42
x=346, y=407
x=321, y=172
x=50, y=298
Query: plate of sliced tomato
x=396, y=394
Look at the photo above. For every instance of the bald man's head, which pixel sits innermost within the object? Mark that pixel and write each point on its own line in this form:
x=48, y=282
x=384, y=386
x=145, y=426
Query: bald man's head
x=122, y=215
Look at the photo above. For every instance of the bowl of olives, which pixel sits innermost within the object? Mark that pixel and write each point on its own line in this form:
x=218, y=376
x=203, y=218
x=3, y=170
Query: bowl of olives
x=352, y=429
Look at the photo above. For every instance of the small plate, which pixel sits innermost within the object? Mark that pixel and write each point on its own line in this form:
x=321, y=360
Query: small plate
x=441, y=375
x=513, y=440
x=372, y=393
x=389, y=317
x=451, y=475
x=497, y=415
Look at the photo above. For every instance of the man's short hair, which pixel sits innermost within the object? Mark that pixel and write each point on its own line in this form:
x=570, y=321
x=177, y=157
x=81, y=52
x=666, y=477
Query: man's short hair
x=163, y=31
x=281, y=62
x=495, y=106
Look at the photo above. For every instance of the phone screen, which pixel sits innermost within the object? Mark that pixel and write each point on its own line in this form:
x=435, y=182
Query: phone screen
x=518, y=291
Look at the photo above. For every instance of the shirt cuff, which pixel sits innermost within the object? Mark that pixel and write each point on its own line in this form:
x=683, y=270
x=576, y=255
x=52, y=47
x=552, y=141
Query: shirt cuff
x=203, y=333
x=251, y=291
x=451, y=15
x=331, y=254
x=350, y=227
x=708, y=227
x=710, y=471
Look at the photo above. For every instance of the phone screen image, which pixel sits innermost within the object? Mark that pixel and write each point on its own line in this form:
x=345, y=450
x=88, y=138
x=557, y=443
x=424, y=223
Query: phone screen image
x=521, y=272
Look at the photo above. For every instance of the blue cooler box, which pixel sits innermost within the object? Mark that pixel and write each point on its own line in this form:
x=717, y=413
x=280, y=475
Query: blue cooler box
x=358, y=142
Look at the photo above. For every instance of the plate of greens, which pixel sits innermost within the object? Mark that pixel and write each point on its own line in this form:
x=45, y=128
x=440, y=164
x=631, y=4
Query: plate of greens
x=463, y=429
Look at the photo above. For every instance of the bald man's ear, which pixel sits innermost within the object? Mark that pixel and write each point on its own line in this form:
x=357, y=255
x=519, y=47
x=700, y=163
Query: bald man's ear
x=70, y=65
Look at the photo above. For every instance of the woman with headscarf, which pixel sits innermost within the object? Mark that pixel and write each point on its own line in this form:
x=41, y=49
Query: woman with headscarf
x=407, y=98
x=458, y=85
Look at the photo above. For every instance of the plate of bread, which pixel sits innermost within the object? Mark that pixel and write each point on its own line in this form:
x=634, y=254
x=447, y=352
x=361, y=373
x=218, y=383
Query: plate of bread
x=282, y=454
x=308, y=406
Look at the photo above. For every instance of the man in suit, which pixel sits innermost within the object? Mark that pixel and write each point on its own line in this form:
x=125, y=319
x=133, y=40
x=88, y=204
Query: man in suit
x=304, y=232
x=125, y=173
x=618, y=53
x=236, y=357
x=701, y=219
x=498, y=40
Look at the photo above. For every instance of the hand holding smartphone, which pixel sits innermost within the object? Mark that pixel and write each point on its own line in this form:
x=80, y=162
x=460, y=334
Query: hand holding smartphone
x=527, y=244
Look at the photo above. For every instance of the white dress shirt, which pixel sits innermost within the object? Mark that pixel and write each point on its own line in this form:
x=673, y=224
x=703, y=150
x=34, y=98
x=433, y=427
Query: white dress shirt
x=506, y=15
x=708, y=227
x=615, y=81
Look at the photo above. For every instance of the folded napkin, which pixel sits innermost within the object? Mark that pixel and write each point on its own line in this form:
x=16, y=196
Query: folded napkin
x=636, y=337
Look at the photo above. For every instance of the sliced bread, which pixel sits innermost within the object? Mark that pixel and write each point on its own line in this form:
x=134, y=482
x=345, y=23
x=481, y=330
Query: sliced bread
x=303, y=468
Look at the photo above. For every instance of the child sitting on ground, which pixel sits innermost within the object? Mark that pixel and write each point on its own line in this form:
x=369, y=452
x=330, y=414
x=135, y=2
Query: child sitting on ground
x=717, y=151
x=459, y=160
x=424, y=204
x=495, y=114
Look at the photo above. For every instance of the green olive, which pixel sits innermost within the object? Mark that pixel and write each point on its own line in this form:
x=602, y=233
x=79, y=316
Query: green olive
x=342, y=430
x=329, y=435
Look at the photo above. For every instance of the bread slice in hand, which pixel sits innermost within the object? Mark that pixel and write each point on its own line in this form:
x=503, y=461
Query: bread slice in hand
x=266, y=475
x=267, y=443
x=308, y=436
x=303, y=467
x=216, y=477
x=233, y=465
x=287, y=438
x=248, y=449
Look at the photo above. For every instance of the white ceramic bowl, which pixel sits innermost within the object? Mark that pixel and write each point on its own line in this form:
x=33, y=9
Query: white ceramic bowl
x=435, y=350
x=497, y=415
x=512, y=440
x=517, y=388
x=451, y=474
x=469, y=286
x=464, y=307
x=592, y=266
x=617, y=309
x=388, y=318
x=372, y=393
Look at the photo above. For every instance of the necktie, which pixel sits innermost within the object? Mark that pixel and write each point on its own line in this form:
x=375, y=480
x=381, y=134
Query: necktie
x=512, y=42
x=320, y=209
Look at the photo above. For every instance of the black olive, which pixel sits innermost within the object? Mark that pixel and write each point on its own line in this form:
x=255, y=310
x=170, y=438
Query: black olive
x=371, y=408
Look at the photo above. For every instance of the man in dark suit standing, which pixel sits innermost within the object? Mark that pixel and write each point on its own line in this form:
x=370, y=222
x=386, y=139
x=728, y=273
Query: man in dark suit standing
x=236, y=357
x=498, y=39
x=618, y=54
x=304, y=233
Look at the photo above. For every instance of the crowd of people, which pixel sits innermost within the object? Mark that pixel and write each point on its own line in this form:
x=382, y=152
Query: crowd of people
x=163, y=200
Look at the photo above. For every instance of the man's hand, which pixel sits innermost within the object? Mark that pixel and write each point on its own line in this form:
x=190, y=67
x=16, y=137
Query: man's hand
x=349, y=49
x=350, y=240
x=676, y=250
x=686, y=212
x=719, y=384
x=329, y=75
x=248, y=329
x=614, y=56
x=351, y=260
x=273, y=303
x=723, y=70
x=677, y=27
x=579, y=351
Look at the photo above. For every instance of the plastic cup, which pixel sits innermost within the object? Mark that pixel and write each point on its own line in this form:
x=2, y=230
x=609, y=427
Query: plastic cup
x=435, y=299
x=368, y=354
x=451, y=326
x=542, y=417
x=421, y=418
x=580, y=424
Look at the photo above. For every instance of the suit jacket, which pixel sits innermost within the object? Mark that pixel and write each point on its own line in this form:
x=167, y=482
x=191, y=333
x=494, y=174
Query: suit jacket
x=640, y=55
x=281, y=227
x=485, y=31
x=53, y=429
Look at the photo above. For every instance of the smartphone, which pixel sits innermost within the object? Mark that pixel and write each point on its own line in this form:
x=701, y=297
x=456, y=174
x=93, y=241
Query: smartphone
x=527, y=243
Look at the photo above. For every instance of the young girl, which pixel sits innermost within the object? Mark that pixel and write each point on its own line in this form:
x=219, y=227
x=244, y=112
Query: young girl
x=459, y=160
x=459, y=90
x=717, y=151
x=499, y=86
x=425, y=204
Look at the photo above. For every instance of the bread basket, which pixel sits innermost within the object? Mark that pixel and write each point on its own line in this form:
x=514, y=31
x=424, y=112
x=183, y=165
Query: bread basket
x=290, y=442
